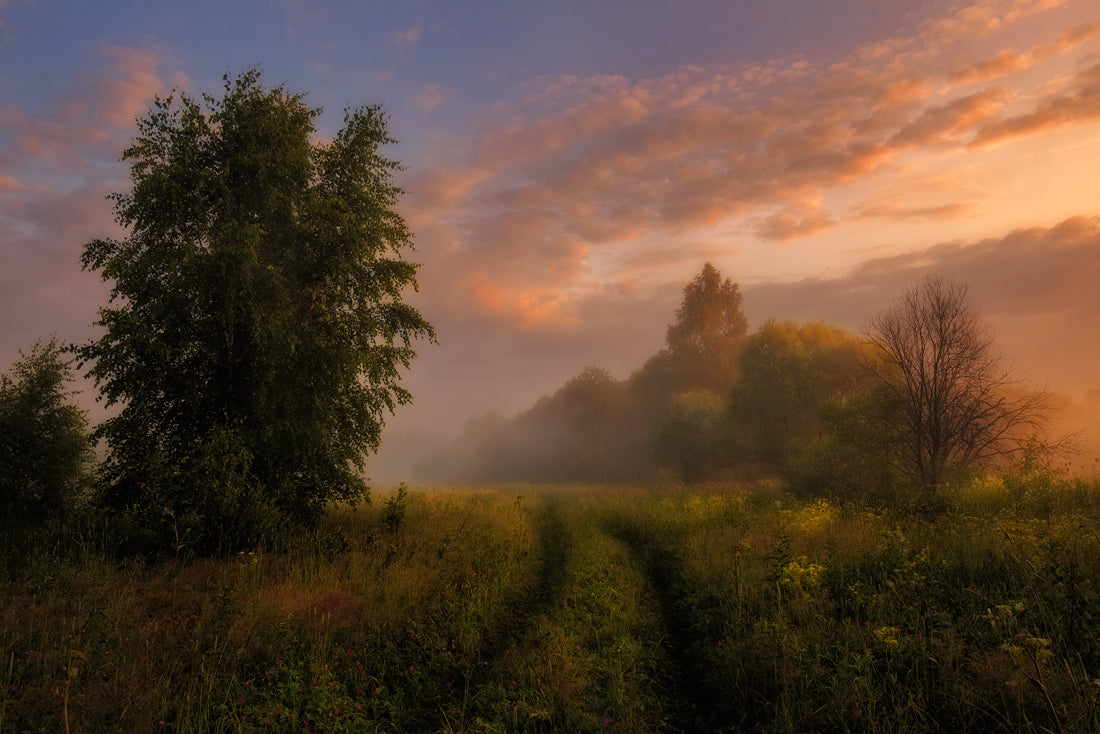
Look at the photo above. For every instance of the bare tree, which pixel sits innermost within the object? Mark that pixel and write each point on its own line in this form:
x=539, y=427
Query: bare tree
x=959, y=406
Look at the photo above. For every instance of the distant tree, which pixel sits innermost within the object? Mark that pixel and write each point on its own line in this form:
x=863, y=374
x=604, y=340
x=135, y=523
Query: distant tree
x=690, y=438
x=701, y=346
x=595, y=409
x=786, y=372
x=45, y=449
x=257, y=326
x=707, y=334
x=956, y=406
x=579, y=433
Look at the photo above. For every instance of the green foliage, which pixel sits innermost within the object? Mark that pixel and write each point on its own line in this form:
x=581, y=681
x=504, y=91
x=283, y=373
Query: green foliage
x=854, y=458
x=786, y=372
x=257, y=327
x=393, y=511
x=691, y=437
x=45, y=450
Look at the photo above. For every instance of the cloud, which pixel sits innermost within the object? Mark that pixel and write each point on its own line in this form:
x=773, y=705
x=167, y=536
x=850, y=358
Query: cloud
x=61, y=160
x=1008, y=62
x=577, y=167
x=793, y=223
x=1036, y=286
x=1079, y=103
x=947, y=123
x=94, y=117
x=429, y=97
x=407, y=39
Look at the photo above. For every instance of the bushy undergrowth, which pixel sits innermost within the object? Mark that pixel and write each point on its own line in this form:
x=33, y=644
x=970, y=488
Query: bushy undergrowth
x=581, y=609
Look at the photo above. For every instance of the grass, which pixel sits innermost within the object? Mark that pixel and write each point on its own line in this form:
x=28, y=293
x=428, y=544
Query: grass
x=582, y=609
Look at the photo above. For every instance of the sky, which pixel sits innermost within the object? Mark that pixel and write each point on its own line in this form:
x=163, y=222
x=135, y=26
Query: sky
x=570, y=165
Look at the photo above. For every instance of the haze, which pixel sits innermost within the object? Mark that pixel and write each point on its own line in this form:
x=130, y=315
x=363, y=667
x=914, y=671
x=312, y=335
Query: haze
x=569, y=168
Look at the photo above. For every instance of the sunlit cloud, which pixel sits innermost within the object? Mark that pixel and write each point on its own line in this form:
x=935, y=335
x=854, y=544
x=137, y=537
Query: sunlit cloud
x=97, y=114
x=1009, y=62
x=1080, y=103
x=578, y=164
x=8, y=183
x=947, y=123
x=793, y=222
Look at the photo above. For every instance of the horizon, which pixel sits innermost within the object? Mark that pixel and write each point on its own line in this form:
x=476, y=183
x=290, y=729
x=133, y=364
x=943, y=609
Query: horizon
x=569, y=169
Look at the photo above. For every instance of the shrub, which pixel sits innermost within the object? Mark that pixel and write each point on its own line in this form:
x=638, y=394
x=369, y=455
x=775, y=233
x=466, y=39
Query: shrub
x=45, y=450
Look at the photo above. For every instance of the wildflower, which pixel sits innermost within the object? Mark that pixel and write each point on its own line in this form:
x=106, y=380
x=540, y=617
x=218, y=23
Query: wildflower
x=802, y=574
x=887, y=635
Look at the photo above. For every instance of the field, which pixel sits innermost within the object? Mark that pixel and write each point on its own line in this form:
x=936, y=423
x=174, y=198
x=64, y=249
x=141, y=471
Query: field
x=582, y=609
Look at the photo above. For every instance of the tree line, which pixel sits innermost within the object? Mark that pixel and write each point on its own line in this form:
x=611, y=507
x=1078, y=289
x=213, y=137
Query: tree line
x=920, y=399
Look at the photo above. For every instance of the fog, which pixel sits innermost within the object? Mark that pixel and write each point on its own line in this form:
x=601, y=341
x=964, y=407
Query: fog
x=456, y=397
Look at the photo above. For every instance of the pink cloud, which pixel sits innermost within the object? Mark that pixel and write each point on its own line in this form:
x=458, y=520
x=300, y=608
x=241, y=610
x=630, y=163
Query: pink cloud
x=94, y=117
x=429, y=97
x=9, y=183
x=408, y=38
x=78, y=135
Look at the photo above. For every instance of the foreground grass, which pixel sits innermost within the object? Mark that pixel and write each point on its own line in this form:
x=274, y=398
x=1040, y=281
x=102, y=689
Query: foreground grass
x=584, y=609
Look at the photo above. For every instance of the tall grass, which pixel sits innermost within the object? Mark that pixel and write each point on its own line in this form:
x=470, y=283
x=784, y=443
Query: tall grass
x=591, y=609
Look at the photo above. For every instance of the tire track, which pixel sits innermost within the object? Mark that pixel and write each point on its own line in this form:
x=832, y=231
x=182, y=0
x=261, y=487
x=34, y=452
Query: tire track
x=693, y=702
x=516, y=622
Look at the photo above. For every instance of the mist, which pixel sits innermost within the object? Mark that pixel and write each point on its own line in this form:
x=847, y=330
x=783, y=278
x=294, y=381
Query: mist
x=535, y=424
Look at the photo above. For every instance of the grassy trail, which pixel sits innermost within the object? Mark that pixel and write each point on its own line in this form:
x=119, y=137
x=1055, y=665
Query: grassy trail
x=583, y=655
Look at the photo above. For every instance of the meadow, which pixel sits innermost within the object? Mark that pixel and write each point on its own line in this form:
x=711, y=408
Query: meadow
x=581, y=609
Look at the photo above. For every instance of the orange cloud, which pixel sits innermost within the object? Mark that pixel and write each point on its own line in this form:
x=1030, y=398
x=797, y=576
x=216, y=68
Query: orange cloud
x=580, y=165
x=531, y=308
x=1008, y=61
x=1035, y=286
x=8, y=183
x=946, y=123
x=793, y=223
x=1080, y=104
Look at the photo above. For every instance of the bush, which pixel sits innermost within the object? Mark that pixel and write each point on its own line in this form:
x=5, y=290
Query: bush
x=853, y=459
x=691, y=437
x=45, y=450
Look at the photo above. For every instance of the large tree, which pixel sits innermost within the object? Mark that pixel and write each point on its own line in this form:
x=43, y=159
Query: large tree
x=257, y=325
x=957, y=407
x=702, y=345
x=708, y=330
